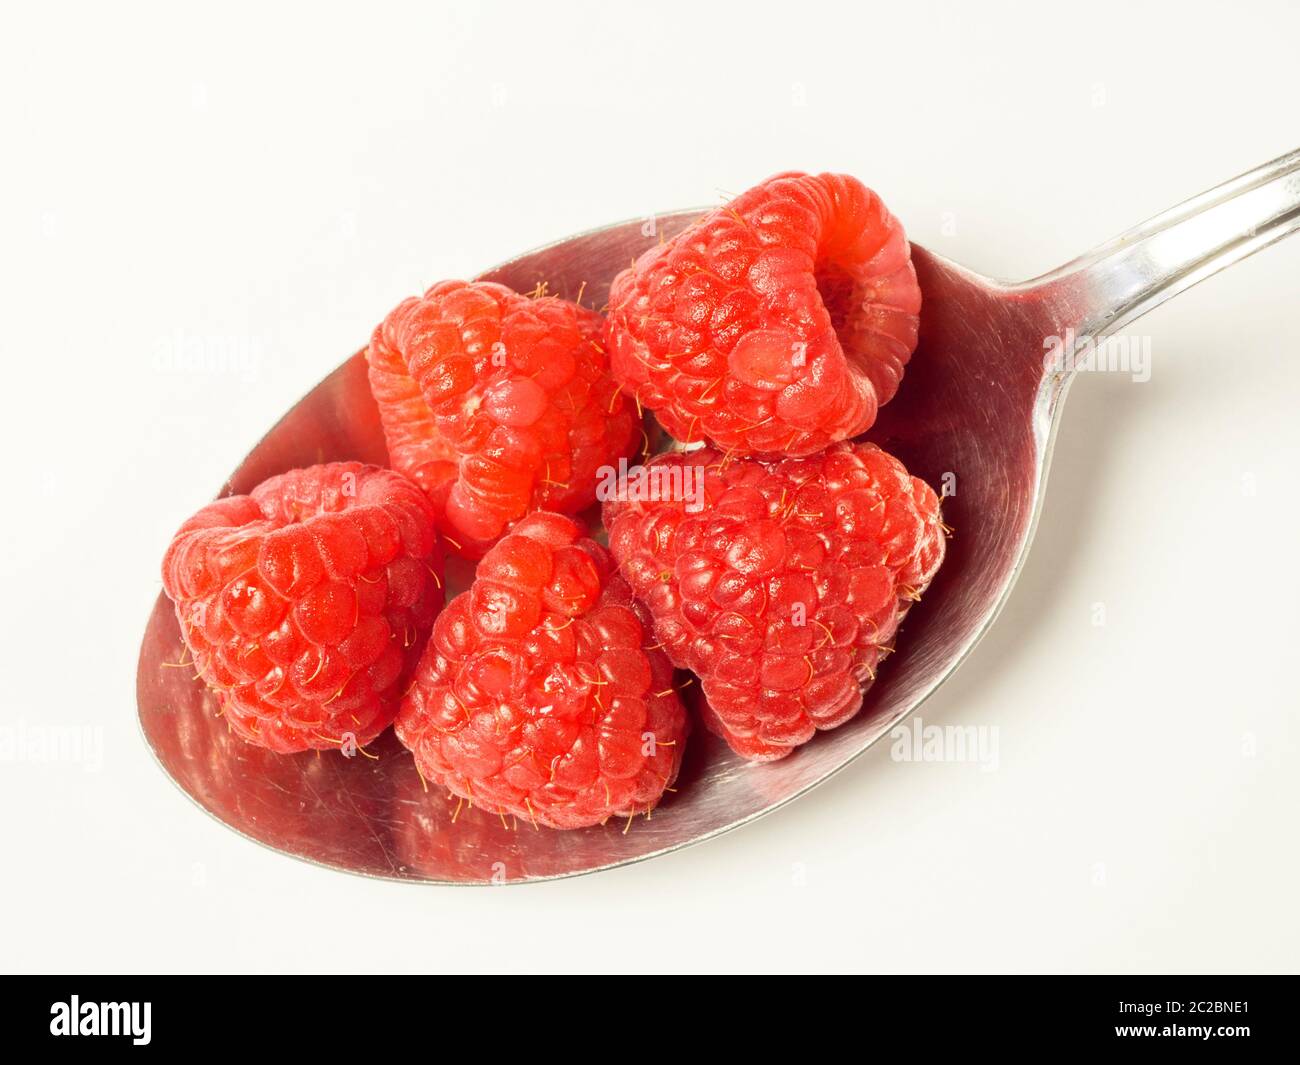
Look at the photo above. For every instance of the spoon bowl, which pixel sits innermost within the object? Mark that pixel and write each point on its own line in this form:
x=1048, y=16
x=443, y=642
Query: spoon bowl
x=975, y=417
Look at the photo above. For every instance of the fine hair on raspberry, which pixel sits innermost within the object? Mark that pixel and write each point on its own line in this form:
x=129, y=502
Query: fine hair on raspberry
x=776, y=325
x=541, y=694
x=497, y=404
x=305, y=603
x=785, y=590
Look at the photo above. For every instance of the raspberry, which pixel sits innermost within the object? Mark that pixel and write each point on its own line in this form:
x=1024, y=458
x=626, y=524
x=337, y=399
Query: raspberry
x=775, y=325
x=537, y=694
x=785, y=587
x=497, y=404
x=305, y=602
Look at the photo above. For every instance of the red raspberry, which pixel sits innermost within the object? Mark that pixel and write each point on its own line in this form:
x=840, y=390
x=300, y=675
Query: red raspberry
x=497, y=404
x=785, y=588
x=775, y=325
x=537, y=694
x=305, y=602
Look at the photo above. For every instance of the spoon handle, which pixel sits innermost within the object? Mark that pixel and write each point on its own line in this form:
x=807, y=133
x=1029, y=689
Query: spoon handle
x=1109, y=287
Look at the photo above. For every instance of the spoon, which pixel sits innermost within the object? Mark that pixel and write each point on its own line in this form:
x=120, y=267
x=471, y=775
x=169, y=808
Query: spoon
x=975, y=417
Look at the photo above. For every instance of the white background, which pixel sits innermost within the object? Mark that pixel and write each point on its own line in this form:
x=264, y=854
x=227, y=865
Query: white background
x=278, y=178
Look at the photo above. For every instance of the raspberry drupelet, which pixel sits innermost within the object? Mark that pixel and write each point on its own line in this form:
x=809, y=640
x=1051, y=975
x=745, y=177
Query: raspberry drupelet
x=776, y=325
x=540, y=694
x=305, y=603
x=497, y=404
x=784, y=590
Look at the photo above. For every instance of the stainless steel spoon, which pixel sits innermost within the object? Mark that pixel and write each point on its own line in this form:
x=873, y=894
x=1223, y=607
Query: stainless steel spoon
x=977, y=412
